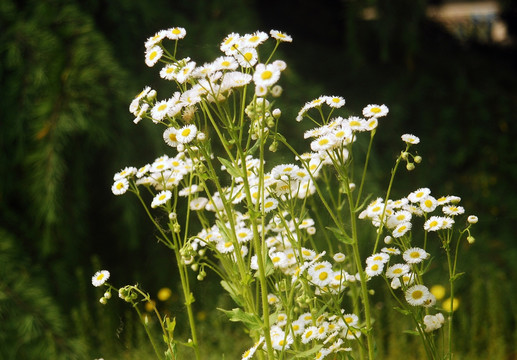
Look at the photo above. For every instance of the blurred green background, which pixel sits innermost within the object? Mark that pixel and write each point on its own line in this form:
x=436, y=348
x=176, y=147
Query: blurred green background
x=68, y=70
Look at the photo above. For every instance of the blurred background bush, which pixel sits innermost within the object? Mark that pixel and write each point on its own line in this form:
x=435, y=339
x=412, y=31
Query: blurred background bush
x=69, y=68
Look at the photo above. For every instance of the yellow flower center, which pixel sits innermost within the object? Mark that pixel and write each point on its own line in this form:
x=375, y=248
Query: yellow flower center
x=415, y=255
x=375, y=110
x=153, y=55
x=162, y=107
x=323, y=275
x=248, y=56
x=120, y=186
x=433, y=223
x=428, y=203
x=417, y=294
x=186, y=132
x=176, y=31
x=266, y=75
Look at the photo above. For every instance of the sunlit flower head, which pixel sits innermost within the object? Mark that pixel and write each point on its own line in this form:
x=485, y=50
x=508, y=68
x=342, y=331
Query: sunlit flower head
x=453, y=210
x=410, y=139
x=374, y=269
x=418, y=195
x=310, y=333
x=401, y=229
x=397, y=270
x=120, y=186
x=255, y=39
x=280, y=36
x=100, y=277
x=161, y=198
x=472, y=219
x=152, y=55
x=269, y=204
x=229, y=41
x=428, y=204
x=246, y=57
x=415, y=255
x=266, y=75
x=417, y=295
x=335, y=101
x=175, y=33
x=375, y=111
x=186, y=134
x=169, y=136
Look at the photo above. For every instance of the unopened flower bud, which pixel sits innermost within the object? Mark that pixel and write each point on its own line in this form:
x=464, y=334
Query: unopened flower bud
x=107, y=294
x=404, y=155
x=173, y=216
x=176, y=228
x=201, y=136
x=388, y=240
x=418, y=159
x=410, y=166
x=103, y=300
x=180, y=148
x=276, y=113
x=472, y=219
x=194, y=267
x=471, y=239
x=273, y=147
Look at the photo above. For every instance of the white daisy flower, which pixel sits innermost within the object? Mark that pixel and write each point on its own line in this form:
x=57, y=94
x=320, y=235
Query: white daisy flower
x=159, y=110
x=415, y=255
x=266, y=75
x=280, y=36
x=428, y=204
x=229, y=41
x=397, y=270
x=269, y=204
x=391, y=250
x=186, y=134
x=243, y=235
x=453, y=210
x=379, y=257
x=375, y=111
x=255, y=39
x=310, y=333
x=410, y=139
x=323, y=143
x=169, y=136
x=225, y=63
x=155, y=39
x=335, y=101
x=225, y=247
x=183, y=73
x=120, y=186
x=356, y=123
x=161, y=198
x=434, y=223
x=418, y=195
x=401, y=229
x=100, y=277
x=374, y=269
x=235, y=79
x=175, y=33
x=152, y=55
x=246, y=57
x=321, y=273
x=417, y=295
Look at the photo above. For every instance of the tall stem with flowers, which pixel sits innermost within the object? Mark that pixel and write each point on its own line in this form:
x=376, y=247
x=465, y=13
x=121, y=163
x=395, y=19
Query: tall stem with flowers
x=298, y=292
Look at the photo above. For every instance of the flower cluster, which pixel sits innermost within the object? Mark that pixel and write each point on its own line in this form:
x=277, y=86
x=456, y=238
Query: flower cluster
x=228, y=210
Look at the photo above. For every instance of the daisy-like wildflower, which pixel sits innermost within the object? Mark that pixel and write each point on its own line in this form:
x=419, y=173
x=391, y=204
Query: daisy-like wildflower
x=159, y=110
x=433, y=322
x=429, y=204
x=198, y=204
x=161, y=198
x=298, y=327
x=246, y=57
x=155, y=39
x=120, y=186
x=169, y=136
x=248, y=354
x=124, y=173
x=255, y=39
x=235, y=79
x=374, y=269
x=143, y=170
x=152, y=55
x=417, y=295
x=397, y=270
x=321, y=273
x=335, y=101
x=415, y=255
x=185, y=71
x=269, y=204
x=434, y=223
x=418, y=195
x=323, y=143
x=186, y=134
x=280, y=36
x=398, y=218
x=401, y=229
x=375, y=110
x=453, y=210
x=100, y=277
x=225, y=63
x=310, y=333
x=356, y=123
x=410, y=139
x=228, y=42
x=175, y=33
x=266, y=75
x=379, y=258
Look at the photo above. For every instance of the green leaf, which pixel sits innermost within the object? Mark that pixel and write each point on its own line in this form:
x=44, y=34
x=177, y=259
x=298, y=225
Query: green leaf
x=232, y=170
x=457, y=276
x=341, y=235
x=402, y=311
x=412, y=332
x=234, y=293
x=252, y=321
